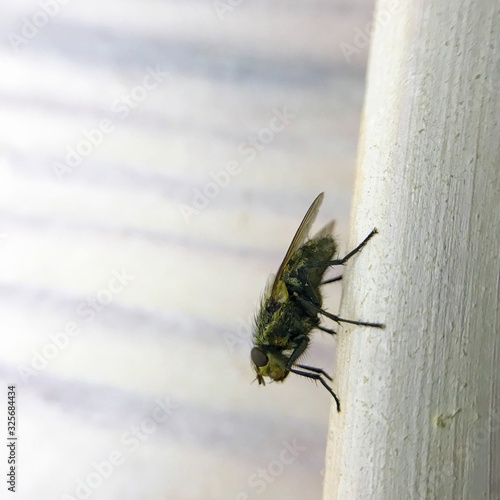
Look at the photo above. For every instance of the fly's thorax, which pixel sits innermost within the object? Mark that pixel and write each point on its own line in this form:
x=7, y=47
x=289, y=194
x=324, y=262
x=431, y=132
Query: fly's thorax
x=285, y=329
x=272, y=323
x=269, y=363
x=305, y=272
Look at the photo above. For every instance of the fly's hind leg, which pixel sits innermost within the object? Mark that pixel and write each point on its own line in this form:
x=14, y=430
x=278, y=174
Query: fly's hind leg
x=341, y=262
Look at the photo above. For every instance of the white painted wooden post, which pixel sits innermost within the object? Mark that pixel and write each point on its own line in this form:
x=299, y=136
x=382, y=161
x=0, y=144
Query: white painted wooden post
x=421, y=399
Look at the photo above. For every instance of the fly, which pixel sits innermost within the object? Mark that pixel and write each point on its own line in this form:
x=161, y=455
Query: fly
x=292, y=304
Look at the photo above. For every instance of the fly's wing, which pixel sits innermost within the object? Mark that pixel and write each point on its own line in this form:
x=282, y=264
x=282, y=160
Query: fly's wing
x=299, y=238
x=326, y=230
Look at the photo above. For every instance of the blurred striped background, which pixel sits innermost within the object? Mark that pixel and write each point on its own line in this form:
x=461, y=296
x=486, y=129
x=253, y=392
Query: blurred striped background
x=156, y=158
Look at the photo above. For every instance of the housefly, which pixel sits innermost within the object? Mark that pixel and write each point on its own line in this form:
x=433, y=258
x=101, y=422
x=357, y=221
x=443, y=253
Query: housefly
x=292, y=304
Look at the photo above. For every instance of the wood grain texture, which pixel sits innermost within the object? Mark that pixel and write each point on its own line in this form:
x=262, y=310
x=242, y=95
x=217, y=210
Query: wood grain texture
x=420, y=399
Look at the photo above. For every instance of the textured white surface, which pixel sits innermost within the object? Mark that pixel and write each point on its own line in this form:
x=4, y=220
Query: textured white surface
x=163, y=340
x=421, y=413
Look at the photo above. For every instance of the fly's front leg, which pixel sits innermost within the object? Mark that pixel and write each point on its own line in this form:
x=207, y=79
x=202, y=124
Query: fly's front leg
x=297, y=352
x=315, y=370
x=316, y=375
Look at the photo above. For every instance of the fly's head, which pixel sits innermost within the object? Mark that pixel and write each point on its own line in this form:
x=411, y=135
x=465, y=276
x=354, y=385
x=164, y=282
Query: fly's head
x=268, y=364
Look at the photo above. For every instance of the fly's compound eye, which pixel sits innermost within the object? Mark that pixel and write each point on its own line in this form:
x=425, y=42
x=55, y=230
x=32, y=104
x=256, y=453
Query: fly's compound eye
x=258, y=357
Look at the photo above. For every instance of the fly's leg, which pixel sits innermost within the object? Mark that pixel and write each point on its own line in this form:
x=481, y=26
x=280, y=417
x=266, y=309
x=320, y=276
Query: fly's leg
x=327, y=330
x=353, y=322
x=331, y=280
x=341, y=262
x=309, y=305
x=316, y=375
x=297, y=352
x=315, y=370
